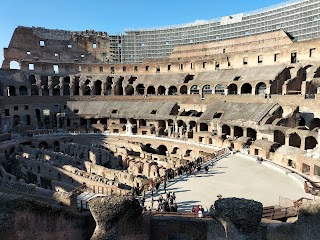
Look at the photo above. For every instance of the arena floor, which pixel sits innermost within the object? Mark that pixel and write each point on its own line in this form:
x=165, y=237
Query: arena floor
x=234, y=176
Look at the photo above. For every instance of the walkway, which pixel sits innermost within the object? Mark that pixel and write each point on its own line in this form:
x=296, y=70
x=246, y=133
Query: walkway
x=234, y=176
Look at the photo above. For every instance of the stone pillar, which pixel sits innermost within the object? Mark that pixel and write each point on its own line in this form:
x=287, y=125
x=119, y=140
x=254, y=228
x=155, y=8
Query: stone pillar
x=226, y=90
x=303, y=143
x=286, y=143
x=231, y=132
x=245, y=132
x=50, y=85
x=29, y=91
x=304, y=87
x=268, y=89
x=40, y=91
x=284, y=89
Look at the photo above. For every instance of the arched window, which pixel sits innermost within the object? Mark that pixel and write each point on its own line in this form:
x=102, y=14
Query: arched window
x=206, y=89
x=194, y=89
x=14, y=65
x=219, y=89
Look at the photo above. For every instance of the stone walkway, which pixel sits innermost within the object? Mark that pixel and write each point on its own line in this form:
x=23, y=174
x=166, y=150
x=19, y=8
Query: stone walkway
x=234, y=176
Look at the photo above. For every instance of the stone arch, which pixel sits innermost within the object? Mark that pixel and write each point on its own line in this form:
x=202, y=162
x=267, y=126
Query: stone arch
x=161, y=90
x=246, y=88
x=261, y=88
x=43, y=145
x=315, y=123
x=294, y=140
x=226, y=130
x=238, y=131
x=23, y=91
x=56, y=86
x=34, y=87
x=129, y=90
x=15, y=65
x=98, y=87
x=279, y=137
x=192, y=125
x=181, y=123
x=142, y=122
x=188, y=153
x=11, y=91
x=56, y=146
x=219, y=89
x=183, y=89
x=28, y=119
x=151, y=90
x=233, y=89
x=76, y=86
x=204, y=127
x=162, y=150
x=172, y=90
x=194, y=89
x=15, y=120
x=175, y=150
x=252, y=134
x=66, y=86
x=140, y=89
x=310, y=143
x=86, y=88
x=118, y=89
x=206, y=89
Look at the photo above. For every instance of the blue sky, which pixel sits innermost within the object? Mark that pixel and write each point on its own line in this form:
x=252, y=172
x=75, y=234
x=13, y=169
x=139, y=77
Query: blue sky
x=114, y=16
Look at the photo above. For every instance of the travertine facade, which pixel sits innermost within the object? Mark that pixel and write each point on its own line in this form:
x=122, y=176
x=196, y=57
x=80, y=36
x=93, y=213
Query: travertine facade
x=257, y=94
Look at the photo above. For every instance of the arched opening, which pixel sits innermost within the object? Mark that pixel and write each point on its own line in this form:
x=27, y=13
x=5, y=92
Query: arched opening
x=66, y=86
x=14, y=65
x=86, y=88
x=194, y=89
x=43, y=145
x=134, y=125
x=279, y=137
x=232, y=89
x=44, y=85
x=140, y=89
x=59, y=177
x=294, y=140
x=184, y=89
x=76, y=86
x=97, y=87
x=192, y=125
x=161, y=90
x=246, y=88
x=162, y=150
x=238, y=131
x=315, y=123
x=38, y=115
x=129, y=90
x=172, y=90
x=118, y=89
x=23, y=91
x=28, y=119
x=206, y=89
x=188, y=153
x=225, y=131
x=34, y=87
x=203, y=127
x=56, y=86
x=310, y=143
x=56, y=146
x=151, y=90
x=252, y=134
x=174, y=150
x=15, y=120
x=219, y=89
x=261, y=88
x=142, y=122
x=109, y=86
x=11, y=91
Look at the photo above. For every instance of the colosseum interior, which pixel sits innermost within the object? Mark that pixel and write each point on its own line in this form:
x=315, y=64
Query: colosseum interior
x=73, y=116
